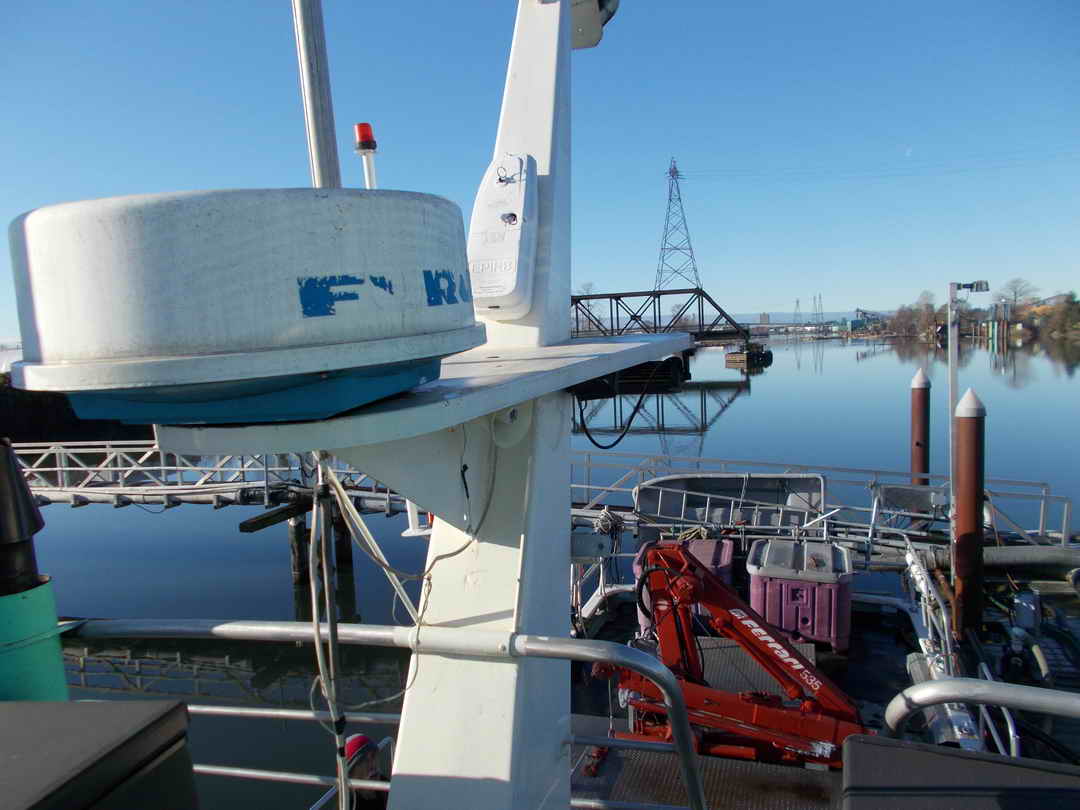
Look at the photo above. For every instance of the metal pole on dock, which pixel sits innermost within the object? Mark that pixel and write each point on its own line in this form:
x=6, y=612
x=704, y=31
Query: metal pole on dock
x=315, y=93
x=953, y=352
x=969, y=428
x=920, y=428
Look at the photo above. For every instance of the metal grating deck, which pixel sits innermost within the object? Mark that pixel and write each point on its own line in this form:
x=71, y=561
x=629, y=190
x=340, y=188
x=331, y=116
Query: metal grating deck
x=728, y=667
x=643, y=776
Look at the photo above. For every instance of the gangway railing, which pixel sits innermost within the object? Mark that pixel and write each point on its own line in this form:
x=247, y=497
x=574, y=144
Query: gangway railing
x=121, y=473
x=125, y=472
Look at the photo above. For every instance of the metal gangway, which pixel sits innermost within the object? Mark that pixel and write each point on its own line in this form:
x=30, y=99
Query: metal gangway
x=123, y=473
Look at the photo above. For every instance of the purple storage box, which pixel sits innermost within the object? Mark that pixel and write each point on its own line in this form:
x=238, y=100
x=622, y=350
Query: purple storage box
x=803, y=589
x=714, y=554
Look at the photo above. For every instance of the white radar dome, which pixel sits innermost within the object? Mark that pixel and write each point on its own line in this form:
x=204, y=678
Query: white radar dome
x=239, y=306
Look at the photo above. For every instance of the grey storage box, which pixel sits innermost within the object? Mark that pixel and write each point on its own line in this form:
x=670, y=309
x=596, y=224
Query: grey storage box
x=105, y=755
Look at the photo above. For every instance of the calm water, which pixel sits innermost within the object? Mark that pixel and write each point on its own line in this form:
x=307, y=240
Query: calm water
x=825, y=403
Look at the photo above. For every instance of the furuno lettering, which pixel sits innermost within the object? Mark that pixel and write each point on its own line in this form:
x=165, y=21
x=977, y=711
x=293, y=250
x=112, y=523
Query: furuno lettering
x=491, y=266
x=317, y=296
x=444, y=287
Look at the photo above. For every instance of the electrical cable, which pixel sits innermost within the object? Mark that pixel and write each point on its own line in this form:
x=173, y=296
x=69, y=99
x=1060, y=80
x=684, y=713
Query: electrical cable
x=629, y=422
x=318, y=533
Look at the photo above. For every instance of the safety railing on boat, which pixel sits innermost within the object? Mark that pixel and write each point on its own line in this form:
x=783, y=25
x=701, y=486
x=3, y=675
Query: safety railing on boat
x=685, y=506
x=609, y=478
x=978, y=692
x=987, y=724
x=438, y=640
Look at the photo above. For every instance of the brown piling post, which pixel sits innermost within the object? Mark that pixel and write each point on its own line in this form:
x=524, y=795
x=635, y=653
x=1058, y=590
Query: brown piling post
x=969, y=424
x=920, y=428
x=342, y=540
x=298, y=548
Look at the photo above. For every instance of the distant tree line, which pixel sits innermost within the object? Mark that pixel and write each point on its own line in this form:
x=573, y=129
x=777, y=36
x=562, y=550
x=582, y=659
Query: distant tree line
x=1057, y=317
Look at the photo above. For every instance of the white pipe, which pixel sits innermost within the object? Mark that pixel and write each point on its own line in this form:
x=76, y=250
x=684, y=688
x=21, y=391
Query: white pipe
x=315, y=93
x=368, y=159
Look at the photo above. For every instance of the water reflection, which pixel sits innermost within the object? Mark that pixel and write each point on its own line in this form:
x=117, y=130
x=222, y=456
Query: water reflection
x=804, y=351
x=680, y=418
x=1016, y=362
x=223, y=671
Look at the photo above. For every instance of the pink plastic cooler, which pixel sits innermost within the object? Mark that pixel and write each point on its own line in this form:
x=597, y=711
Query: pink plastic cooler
x=803, y=589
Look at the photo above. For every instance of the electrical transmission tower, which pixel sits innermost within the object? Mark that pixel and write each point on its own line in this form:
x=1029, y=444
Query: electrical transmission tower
x=676, y=255
x=819, y=313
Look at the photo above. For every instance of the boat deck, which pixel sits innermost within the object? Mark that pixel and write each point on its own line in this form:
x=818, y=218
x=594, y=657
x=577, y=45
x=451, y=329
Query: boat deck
x=647, y=777
x=653, y=777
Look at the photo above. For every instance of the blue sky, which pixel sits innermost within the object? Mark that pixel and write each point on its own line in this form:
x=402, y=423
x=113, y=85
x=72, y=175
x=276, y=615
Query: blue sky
x=864, y=150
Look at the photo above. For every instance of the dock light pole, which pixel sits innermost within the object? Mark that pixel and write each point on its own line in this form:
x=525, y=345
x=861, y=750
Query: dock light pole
x=954, y=356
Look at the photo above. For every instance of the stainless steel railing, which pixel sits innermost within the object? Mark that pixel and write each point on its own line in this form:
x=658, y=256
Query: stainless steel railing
x=431, y=640
x=980, y=692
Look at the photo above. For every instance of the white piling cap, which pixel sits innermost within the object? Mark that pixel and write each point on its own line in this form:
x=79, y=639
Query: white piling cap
x=970, y=405
x=920, y=380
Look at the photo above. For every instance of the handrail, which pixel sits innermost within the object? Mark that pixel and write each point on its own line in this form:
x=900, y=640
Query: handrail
x=448, y=640
x=287, y=776
x=976, y=690
x=1010, y=723
x=211, y=710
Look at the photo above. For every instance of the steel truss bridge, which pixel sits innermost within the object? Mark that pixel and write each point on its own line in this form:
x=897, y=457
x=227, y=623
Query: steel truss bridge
x=626, y=313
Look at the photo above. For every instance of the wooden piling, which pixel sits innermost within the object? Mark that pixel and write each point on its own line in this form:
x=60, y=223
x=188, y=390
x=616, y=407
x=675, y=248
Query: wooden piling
x=342, y=540
x=298, y=548
x=920, y=428
x=969, y=423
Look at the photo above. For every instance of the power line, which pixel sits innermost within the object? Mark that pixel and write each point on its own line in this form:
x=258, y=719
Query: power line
x=889, y=171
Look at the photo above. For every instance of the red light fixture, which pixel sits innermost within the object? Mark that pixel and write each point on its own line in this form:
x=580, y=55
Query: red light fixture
x=365, y=138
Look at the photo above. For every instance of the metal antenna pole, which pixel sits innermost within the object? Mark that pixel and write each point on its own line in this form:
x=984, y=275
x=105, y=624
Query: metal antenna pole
x=315, y=93
x=676, y=254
